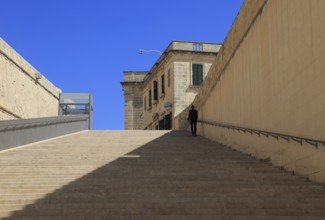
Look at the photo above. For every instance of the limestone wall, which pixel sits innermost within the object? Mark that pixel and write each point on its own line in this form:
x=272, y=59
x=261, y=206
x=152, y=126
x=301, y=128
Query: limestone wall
x=185, y=93
x=269, y=75
x=22, y=95
x=133, y=102
x=133, y=106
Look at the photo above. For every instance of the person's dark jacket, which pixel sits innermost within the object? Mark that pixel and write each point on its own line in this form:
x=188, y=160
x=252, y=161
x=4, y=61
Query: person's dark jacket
x=192, y=115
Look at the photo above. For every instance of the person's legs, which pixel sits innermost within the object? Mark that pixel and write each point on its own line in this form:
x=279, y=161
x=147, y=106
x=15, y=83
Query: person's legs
x=194, y=123
x=192, y=127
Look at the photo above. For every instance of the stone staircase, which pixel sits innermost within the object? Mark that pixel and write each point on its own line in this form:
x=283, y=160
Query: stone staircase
x=148, y=175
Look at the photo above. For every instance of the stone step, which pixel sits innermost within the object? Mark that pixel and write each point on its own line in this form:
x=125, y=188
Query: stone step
x=131, y=175
x=186, y=193
x=234, y=201
x=174, y=191
x=108, y=211
x=160, y=173
x=168, y=192
x=172, y=217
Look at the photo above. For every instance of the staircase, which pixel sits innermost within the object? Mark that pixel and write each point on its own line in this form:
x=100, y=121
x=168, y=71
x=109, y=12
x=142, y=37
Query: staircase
x=148, y=175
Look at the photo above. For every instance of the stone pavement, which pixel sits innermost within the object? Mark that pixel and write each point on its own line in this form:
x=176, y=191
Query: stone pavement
x=148, y=175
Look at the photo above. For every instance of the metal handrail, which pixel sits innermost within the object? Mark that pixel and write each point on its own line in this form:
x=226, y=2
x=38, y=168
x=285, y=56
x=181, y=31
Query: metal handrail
x=265, y=133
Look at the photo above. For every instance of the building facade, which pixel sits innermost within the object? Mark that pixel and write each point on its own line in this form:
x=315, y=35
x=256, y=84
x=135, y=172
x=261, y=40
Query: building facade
x=133, y=99
x=169, y=87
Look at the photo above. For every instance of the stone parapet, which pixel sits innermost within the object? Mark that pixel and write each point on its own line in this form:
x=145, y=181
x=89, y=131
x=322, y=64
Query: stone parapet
x=24, y=92
x=245, y=18
x=194, y=46
x=134, y=76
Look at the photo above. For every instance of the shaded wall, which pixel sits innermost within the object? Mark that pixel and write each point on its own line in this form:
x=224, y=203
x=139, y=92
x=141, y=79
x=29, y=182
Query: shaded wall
x=20, y=132
x=269, y=75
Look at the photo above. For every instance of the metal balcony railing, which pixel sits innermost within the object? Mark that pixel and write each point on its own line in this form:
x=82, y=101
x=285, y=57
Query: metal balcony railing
x=77, y=104
x=267, y=134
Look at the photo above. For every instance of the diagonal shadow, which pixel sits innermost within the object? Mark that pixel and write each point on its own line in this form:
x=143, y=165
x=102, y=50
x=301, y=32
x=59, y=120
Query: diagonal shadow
x=173, y=177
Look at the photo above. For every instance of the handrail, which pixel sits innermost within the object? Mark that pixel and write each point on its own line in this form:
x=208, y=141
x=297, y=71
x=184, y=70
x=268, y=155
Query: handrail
x=265, y=133
x=9, y=125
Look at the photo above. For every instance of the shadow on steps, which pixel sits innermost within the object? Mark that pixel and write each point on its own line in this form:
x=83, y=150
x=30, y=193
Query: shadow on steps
x=177, y=176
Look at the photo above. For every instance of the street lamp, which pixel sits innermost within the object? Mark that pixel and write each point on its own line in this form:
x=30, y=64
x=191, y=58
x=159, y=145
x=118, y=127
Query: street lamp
x=148, y=51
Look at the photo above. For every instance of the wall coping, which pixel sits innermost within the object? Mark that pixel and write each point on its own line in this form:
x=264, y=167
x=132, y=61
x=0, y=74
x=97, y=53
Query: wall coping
x=245, y=19
x=9, y=53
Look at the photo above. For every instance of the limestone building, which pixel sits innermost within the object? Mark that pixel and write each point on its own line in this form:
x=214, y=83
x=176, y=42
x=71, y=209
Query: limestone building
x=154, y=98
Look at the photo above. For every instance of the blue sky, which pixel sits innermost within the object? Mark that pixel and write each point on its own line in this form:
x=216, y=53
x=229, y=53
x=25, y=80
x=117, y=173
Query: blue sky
x=85, y=45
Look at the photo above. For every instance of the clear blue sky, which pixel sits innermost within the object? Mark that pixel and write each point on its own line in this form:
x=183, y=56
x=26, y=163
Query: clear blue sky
x=85, y=45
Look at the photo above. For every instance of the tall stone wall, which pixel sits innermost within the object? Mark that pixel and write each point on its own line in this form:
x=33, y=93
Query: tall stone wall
x=24, y=93
x=269, y=75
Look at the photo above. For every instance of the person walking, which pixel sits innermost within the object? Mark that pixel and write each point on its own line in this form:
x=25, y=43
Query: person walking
x=192, y=118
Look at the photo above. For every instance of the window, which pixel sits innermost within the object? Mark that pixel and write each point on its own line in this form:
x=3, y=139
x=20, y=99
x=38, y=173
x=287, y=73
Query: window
x=168, y=78
x=150, y=98
x=145, y=103
x=197, y=47
x=163, y=83
x=155, y=90
x=197, y=74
